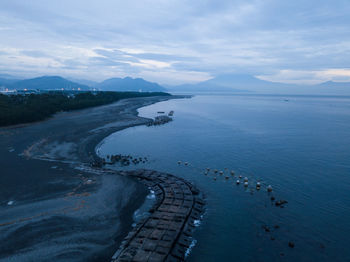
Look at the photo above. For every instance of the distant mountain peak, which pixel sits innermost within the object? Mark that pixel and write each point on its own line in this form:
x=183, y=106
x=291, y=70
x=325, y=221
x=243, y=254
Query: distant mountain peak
x=48, y=83
x=238, y=83
x=129, y=84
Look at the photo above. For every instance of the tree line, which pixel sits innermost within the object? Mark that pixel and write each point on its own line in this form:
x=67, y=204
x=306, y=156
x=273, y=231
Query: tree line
x=18, y=109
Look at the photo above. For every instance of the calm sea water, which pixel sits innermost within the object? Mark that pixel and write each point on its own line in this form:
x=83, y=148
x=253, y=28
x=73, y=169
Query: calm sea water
x=299, y=145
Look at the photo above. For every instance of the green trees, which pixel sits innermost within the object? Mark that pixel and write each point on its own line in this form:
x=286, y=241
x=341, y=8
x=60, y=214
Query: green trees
x=16, y=109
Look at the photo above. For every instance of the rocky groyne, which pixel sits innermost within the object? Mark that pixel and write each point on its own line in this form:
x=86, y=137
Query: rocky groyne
x=160, y=120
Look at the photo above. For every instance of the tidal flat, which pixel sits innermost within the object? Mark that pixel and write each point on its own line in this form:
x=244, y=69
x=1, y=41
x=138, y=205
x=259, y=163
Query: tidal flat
x=51, y=205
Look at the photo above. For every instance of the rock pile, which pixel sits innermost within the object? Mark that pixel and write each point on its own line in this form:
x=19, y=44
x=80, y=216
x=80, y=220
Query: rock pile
x=160, y=120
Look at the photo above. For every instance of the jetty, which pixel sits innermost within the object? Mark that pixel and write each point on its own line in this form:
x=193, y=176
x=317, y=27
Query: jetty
x=166, y=234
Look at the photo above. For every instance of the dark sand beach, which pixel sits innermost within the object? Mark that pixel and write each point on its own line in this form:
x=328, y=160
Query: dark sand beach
x=51, y=206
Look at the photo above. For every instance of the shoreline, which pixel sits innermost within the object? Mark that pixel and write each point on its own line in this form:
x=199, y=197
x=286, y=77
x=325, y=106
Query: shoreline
x=171, y=220
x=67, y=137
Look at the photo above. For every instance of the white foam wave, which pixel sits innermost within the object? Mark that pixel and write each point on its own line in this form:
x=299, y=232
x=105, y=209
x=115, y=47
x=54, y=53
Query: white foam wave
x=189, y=249
x=197, y=222
x=151, y=195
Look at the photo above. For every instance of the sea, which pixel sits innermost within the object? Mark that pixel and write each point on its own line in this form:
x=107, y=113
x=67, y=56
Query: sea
x=300, y=145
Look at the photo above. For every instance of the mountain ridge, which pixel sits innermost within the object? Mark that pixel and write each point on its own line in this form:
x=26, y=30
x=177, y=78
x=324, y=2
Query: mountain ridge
x=47, y=83
x=240, y=83
x=129, y=84
x=230, y=83
x=59, y=83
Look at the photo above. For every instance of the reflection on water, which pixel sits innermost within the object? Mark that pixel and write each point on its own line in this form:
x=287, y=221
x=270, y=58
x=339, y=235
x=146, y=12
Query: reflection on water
x=299, y=145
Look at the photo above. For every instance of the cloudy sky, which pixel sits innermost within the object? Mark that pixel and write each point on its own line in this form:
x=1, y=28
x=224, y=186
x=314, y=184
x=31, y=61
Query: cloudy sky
x=176, y=41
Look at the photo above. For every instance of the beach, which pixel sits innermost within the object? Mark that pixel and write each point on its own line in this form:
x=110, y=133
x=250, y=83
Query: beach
x=51, y=205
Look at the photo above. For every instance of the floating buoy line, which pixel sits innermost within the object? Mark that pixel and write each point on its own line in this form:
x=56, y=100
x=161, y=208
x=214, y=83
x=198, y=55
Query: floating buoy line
x=226, y=174
x=249, y=183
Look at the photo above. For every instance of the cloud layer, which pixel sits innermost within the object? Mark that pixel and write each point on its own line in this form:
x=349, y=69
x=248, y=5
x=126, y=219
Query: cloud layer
x=177, y=41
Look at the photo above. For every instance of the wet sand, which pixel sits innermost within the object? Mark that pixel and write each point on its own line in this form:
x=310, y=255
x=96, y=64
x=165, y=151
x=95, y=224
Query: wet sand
x=51, y=207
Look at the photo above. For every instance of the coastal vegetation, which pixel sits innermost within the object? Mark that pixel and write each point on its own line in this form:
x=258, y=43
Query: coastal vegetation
x=18, y=109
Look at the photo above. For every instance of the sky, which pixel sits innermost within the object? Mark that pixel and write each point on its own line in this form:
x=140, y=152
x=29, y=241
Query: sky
x=175, y=41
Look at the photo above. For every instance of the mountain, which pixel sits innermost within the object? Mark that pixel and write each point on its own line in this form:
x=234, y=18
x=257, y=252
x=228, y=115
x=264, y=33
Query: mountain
x=57, y=83
x=6, y=80
x=10, y=77
x=239, y=83
x=229, y=83
x=129, y=84
x=48, y=83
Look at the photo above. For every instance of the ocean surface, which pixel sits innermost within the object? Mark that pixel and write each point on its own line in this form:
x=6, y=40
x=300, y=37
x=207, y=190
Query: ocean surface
x=300, y=145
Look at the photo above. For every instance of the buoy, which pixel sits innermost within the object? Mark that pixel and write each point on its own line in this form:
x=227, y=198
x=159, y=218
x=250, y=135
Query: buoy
x=221, y=173
x=215, y=171
x=232, y=173
x=226, y=177
x=257, y=185
x=237, y=181
x=186, y=163
x=208, y=169
x=245, y=184
x=240, y=176
x=269, y=188
x=179, y=162
x=246, y=179
x=214, y=178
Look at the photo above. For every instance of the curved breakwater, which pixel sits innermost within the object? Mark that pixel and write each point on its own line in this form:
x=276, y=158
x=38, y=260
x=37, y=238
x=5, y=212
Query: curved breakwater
x=165, y=235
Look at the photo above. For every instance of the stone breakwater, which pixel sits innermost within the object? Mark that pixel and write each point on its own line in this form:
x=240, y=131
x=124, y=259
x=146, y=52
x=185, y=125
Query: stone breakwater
x=166, y=234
